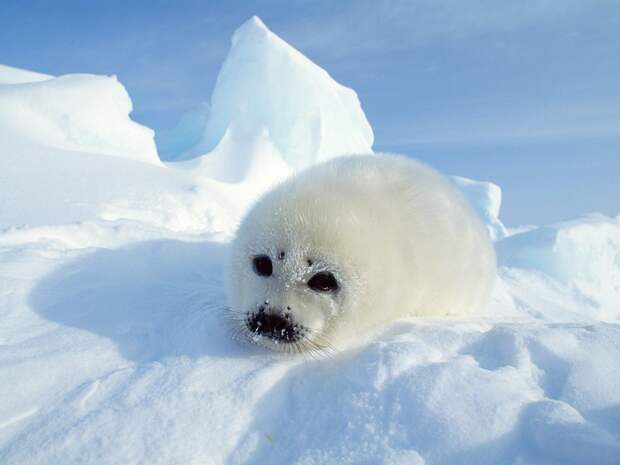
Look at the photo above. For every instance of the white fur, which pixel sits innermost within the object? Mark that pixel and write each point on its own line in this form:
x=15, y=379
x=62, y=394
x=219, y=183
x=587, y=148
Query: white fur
x=400, y=239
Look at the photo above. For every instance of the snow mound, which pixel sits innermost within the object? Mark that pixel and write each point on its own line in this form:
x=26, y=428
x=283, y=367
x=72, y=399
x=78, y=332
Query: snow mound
x=486, y=198
x=229, y=161
x=11, y=75
x=265, y=82
x=81, y=112
x=583, y=254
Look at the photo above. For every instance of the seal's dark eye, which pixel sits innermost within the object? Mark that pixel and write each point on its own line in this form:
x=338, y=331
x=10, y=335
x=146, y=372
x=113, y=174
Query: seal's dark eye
x=323, y=282
x=262, y=265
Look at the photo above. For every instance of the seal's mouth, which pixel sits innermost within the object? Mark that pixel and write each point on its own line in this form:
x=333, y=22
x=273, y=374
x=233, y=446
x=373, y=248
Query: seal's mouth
x=278, y=328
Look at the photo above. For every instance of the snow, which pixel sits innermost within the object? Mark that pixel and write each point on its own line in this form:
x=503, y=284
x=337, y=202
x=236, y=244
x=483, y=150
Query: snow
x=581, y=254
x=242, y=157
x=486, y=198
x=79, y=112
x=11, y=75
x=115, y=347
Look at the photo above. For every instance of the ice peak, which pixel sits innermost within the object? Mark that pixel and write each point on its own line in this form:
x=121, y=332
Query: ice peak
x=251, y=28
x=267, y=84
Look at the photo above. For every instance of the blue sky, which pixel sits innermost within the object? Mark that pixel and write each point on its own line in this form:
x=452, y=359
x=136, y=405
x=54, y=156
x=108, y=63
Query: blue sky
x=526, y=94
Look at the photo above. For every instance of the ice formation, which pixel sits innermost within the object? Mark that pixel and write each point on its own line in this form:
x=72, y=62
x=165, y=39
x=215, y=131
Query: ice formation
x=174, y=143
x=83, y=113
x=486, y=198
x=266, y=83
x=11, y=75
x=582, y=253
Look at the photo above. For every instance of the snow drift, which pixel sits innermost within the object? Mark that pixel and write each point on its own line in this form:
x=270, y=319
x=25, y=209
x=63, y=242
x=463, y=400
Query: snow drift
x=243, y=158
x=10, y=75
x=583, y=254
x=486, y=199
x=265, y=84
x=83, y=113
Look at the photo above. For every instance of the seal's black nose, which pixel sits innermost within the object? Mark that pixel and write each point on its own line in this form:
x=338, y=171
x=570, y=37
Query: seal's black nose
x=272, y=325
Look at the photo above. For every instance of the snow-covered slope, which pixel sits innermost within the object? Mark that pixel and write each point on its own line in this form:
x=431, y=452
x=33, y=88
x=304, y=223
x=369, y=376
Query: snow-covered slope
x=582, y=254
x=242, y=157
x=71, y=153
x=76, y=112
x=265, y=84
x=11, y=75
x=115, y=347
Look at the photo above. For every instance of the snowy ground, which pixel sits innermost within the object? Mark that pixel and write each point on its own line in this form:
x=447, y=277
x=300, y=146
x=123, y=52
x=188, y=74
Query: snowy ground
x=114, y=347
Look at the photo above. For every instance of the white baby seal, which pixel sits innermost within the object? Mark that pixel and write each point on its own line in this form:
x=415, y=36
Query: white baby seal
x=353, y=244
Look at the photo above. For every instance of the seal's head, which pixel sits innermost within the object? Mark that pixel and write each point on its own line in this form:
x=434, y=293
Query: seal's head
x=287, y=288
x=288, y=298
x=290, y=278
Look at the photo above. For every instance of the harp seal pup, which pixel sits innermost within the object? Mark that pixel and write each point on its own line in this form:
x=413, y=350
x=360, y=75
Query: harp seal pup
x=350, y=245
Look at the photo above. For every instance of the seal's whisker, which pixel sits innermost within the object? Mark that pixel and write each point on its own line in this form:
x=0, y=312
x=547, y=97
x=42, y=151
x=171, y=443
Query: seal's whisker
x=321, y=345
x=308, y=341
x=238, y=334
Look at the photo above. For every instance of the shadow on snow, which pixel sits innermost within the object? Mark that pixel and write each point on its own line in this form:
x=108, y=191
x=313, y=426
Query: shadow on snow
x=153, y=299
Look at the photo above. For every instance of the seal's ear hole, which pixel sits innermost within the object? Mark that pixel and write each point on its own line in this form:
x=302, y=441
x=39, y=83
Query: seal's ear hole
x=262, y=265
x=323, y=282
x=310, y=262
